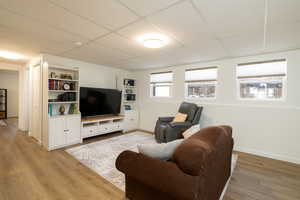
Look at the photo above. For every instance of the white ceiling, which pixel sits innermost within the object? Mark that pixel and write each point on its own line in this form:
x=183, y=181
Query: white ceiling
x=200, y=30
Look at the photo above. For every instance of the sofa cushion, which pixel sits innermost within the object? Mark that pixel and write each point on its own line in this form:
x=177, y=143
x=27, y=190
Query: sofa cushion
x=162, y=151
x=180, y=117
x=191, y=131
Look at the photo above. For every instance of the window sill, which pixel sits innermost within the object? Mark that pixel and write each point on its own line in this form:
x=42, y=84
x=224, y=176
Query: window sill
x=157, y=97
x=200, y=98
x=262, y=100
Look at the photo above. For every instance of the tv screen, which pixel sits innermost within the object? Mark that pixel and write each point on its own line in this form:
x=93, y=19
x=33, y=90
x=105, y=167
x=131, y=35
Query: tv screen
x=99, y=101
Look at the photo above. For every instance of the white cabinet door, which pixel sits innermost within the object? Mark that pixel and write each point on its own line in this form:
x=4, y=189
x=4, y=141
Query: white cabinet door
x=57, y=132
x=73, y=129
x=131, y=120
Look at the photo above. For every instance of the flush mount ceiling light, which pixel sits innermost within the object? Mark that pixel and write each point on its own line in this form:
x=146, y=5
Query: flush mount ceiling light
x=78, y=43
x=153, y=40
x=11, y=55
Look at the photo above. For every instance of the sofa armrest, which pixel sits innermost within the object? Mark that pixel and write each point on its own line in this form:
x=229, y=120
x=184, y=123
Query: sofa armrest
x=161, y=175
x=181, y=124
x=165, y=119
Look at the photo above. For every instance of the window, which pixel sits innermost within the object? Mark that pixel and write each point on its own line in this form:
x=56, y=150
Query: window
x=160, y=84
x=201, y=83
x=261, y=80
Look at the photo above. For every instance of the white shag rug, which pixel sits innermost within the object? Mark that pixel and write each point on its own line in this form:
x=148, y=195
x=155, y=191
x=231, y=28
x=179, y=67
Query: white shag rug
x=101, y=156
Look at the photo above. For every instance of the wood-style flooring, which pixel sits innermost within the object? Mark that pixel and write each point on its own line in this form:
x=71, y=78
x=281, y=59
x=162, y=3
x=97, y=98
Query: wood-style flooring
x=28, y=172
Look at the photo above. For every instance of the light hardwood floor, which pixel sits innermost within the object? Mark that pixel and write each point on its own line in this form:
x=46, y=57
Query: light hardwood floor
x=28, y=172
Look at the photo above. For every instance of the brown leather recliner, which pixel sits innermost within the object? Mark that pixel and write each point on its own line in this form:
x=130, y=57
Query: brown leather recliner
x=199, y=169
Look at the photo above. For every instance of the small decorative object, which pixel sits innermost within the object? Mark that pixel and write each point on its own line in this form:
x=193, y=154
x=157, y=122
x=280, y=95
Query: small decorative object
x=129, y=82
x=66, y=86
x=72, y=109
x=62, y=110
x=130, y=97
x=127, y=107
x=72, y=86
x=66, y=76
x=53, y=75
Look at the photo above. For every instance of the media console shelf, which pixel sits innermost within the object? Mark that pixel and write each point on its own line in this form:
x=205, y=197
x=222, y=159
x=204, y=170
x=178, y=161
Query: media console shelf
x=101, y=125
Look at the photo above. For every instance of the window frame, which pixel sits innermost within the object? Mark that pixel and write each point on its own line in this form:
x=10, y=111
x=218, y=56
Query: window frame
x=284, y=82
x=186, y=83
x=151, y=85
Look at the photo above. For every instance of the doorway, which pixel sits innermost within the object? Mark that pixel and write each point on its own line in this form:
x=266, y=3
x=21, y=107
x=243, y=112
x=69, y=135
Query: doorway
x=9, y=95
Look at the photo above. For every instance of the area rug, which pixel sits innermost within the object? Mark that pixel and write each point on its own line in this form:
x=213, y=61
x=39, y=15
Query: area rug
x=101, y=156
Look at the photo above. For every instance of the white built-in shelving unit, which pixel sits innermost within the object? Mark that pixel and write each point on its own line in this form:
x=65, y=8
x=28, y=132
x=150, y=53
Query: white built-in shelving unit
x=131, y=114
x=61, y=89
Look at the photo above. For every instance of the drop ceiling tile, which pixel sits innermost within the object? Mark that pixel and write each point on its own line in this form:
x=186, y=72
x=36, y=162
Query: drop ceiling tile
x=209, y=50
x=244, y=45
x=56, y=16
x=146, y=7
x=109, y=13
x=286, y=11
x=96, y=54
x=135, y=30
x=29, y=44
x=231, y=17
x=201, y=51
x=183, y=22
x=124, y=44
x=23, y=25
x=283, y=36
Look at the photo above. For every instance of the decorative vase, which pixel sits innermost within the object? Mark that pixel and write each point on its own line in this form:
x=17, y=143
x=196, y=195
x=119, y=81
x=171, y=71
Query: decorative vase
x=62, y=109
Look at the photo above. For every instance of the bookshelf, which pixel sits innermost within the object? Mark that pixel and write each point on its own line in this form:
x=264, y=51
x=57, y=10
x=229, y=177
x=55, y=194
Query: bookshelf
x=61, y=118
x=63, y=91
x=3, y=103
x=131, y=115
x=129, y=94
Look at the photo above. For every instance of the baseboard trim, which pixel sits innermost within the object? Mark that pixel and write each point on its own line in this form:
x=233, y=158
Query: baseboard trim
x=145, y=131
x=269, y=155
x=131, y=131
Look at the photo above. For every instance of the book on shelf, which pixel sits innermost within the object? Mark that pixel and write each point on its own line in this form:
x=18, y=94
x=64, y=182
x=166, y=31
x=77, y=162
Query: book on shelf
x=55, y=84
x=53, y=109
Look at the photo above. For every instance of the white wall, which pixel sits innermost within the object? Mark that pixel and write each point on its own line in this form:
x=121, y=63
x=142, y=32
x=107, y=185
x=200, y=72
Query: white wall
x=268, y=128
x=9, y=79
x=92, y=75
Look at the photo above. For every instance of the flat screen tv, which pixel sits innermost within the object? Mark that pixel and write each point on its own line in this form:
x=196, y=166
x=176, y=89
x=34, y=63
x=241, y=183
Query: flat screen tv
x=99, y=101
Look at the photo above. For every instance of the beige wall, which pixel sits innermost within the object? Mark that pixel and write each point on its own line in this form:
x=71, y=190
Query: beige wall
x=268, y=128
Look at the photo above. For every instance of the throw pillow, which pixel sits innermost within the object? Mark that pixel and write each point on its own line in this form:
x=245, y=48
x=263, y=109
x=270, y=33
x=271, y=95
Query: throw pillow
x=180, y=117
x=163, y=151
x=191, y=131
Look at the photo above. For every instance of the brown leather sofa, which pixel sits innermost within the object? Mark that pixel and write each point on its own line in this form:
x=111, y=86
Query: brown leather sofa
x=199, y=169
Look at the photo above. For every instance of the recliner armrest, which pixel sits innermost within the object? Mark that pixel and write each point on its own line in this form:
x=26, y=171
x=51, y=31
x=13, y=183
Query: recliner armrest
x=165, y=119
x=161, y=175
x=180, y=124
